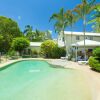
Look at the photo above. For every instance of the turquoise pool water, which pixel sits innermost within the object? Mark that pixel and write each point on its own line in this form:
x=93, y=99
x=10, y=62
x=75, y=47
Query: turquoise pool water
x=38, y=80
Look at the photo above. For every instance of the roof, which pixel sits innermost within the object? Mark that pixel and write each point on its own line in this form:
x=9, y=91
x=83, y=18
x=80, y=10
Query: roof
x=81, y=33
x=87, y=43
x=37, y=44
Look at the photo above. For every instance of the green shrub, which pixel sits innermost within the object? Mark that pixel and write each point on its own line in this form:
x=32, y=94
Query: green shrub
x=94, y=63
x=62, y=52
x=51, y=50
x=26, y=56
x=34, y=53
x=58, y=52
x=47, y=48
x=20, y=43
x=12, y=53
x=96, y=52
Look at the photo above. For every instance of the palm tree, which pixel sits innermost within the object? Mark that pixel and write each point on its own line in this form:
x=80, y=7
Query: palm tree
x=82, y=10
x=60, y=23
x=28, y=32
x=71, y=18
x=96, y=19
x=58, y=29
x=28, y=28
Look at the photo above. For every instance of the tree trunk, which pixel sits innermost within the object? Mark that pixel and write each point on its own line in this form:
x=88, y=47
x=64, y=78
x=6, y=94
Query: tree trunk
x=71, y=33
x=63, y=36
x=57, y=38
x=84, y=30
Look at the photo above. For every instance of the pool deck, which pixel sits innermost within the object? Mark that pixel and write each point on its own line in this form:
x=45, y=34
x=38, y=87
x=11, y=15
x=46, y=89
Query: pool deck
x=93, y=78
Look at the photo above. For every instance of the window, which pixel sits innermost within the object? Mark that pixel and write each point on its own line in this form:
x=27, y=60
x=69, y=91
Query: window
x=89, y=37
x=63, y=39
x=77, y=38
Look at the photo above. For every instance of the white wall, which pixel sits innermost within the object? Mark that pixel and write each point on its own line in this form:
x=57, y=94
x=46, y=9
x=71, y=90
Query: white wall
x=68, y=39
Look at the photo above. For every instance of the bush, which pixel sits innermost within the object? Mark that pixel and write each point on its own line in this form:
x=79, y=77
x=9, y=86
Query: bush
x=96, y=52
x=58, y=52
x=51, y=50
x=13, y=54
x=19, y=44
x=34, y=53
x=26, y=56
x=47, y=48
x=94, y=63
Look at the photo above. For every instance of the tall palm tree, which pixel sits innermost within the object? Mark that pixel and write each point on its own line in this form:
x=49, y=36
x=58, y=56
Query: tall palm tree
x=82, y=10
x=71, y=18
x=58, y=29
x=60, y=22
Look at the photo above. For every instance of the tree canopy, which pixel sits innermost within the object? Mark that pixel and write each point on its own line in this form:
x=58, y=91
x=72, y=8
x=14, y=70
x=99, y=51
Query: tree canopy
x=37, y=35
x=96, y=19
x=20, y=43
x=8, y=30
x=60, y=22
x=47, y=47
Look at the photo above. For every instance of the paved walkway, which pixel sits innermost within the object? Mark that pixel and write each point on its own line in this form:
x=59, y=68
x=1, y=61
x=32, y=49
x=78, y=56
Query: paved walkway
x=93, y=78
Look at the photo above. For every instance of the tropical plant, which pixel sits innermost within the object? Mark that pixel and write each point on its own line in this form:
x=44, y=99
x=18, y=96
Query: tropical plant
x=96, y=52
x=58, y=52
x=1, y=43
x=60, y=22
x=94, y=61
x=28, y=28
x=19, y=44
x=71, y=19
x=12, y=53
x=28, y=32
x=96, y=19
x=82, y=10
x=8, y=30
x=37, y=35
x=47, y=48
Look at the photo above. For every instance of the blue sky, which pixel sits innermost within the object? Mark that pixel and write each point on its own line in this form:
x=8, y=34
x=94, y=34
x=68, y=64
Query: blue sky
x=37, y=12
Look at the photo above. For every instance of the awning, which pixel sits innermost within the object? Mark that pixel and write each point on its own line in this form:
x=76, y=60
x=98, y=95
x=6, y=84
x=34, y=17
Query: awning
x=87, y=43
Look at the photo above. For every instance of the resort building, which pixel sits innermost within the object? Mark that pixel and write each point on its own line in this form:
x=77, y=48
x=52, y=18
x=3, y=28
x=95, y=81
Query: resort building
x=75, y=40
x=76, y=37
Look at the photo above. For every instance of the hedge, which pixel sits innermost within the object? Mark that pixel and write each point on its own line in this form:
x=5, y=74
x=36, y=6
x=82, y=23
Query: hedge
x=94, y=63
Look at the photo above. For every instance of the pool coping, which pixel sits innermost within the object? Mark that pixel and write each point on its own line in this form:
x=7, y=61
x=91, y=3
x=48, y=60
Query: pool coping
x=49, y=61
x=9, y=62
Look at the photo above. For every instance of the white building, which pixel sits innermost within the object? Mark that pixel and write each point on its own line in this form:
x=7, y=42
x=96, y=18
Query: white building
x=35, y=45
x=76, y=37
x=71, y=40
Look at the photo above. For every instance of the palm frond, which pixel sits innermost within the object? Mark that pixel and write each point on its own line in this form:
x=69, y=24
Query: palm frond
x=53, y=17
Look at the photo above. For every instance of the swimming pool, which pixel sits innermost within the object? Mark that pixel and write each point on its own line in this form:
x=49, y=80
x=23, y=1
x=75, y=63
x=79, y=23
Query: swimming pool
x=38, y=80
